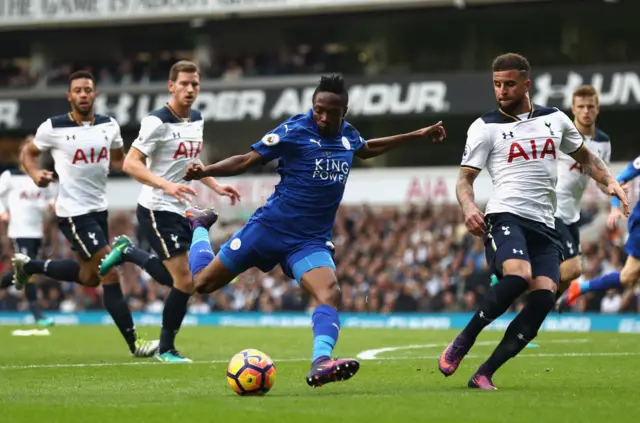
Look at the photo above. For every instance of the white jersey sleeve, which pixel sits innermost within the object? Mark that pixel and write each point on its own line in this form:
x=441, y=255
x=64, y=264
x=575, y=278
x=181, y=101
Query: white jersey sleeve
x=151, y=130
x=572, y=140
x=606, y=155
x=44, y=139
x=5, y=185
x=478, y=146
x=116, y=142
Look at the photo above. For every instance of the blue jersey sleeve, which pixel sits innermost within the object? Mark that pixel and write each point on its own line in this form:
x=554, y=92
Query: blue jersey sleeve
x=629, y=173
x=275, y=143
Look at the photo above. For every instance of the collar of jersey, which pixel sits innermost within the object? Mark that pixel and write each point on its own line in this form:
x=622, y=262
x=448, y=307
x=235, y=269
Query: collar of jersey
x=175, y=115
x=72, y=119
x=516, y=118
x=315, y=127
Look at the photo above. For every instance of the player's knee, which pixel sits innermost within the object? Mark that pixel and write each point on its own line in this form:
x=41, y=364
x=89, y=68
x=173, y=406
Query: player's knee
x=330, y=294
x=629, y=275
x=184, y=282
x=545, y=284
x=89, y=277
x=519, y=268
x=571, y=269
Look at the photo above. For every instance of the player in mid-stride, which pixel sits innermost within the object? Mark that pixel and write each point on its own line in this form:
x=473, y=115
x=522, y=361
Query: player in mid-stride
x=24, y=205
x=83, y=146
x=315, y=151
x=518, y=143
x=169, y=139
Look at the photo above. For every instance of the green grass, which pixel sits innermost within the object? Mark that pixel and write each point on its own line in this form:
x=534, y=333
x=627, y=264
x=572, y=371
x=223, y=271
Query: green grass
x=571, y=377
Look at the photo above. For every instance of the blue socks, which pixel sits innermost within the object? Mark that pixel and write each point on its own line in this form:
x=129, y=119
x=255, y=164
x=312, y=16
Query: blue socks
x=326, y=328
x=610, y=280
x=200, y=254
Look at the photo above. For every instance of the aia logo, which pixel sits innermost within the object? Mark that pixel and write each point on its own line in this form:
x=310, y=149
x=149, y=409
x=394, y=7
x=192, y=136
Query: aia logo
x=91, y=155
x=529, y=151
x=187, y=150
x=577, y=167
x=30, y=195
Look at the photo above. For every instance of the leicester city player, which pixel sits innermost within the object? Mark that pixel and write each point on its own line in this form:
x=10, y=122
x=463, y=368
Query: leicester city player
x=315, y=152
x=630, y=273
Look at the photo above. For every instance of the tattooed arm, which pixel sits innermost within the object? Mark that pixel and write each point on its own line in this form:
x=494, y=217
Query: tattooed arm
x=593, y=166
x=473, y=217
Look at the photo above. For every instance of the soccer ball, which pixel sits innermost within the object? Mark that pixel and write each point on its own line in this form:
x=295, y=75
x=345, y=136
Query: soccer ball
x=251, y=372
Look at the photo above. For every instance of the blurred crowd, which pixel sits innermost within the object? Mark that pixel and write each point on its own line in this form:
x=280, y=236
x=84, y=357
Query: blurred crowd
x=145, y=68
x=388, y=260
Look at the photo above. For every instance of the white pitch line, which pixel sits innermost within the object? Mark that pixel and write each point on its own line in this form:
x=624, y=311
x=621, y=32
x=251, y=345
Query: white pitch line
x=401, y=358
x=373, y=354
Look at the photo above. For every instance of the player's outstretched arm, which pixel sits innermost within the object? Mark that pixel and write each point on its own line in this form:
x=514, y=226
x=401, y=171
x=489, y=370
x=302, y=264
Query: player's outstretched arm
x=378, y=146
x=29, y=160
x=473, y=217
x=595, y=167
x=135, y=164
x=116, y=159
x=232, y=166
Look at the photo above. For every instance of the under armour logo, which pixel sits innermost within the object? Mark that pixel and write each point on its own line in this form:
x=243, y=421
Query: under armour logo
x=71, y=137
x=548, y=125
x=174, y=238
x=176, y=134
x=518, y=252
x=92, y=237
x=506, y=230
x=507, y=134
x=315, y=142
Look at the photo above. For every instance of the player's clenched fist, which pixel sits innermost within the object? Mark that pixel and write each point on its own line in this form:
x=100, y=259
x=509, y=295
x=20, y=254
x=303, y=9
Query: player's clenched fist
x=474, y=221
x=194, y=171
x=43, y=178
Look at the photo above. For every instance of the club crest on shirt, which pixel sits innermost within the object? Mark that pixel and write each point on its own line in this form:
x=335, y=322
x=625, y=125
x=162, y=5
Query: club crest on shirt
x=346, y=143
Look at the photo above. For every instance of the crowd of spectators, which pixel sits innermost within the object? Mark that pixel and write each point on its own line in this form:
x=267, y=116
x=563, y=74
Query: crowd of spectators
x=388, y=260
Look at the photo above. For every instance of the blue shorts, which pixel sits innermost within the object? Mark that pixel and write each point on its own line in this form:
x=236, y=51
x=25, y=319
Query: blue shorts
x=513, y=237
x=256, y=245
x=632, y=246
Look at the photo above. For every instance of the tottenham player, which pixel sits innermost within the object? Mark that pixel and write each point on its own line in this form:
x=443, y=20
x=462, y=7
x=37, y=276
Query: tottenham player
x=169, y=139
x=572, y=182
x=83, y=146
x=315, y=152
x=519, y=144
x=25, y=205
x=630, y=273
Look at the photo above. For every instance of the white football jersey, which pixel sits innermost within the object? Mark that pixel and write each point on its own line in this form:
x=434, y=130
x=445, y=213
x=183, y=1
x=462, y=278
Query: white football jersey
x=572, y=181
x=170, y=144
x=521, y=155
x=26, y=204
x=81, y=154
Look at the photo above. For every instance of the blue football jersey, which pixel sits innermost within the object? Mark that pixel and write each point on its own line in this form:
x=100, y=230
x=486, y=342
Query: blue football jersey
x=313, y=174
x=630, y=172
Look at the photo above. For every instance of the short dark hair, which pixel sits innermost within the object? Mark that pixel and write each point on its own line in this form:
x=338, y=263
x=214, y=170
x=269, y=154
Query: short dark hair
x=332, y=84
x=182, y=66
x=81, y=74
x=585, y=91
x=512, y=61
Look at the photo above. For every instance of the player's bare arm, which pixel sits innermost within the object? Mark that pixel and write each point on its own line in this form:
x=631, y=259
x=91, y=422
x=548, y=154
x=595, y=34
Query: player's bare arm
x=473, y=217
x=116, y=159
x=232, y=166
x=135, y=164
x=377, y=146
x=29, y=160
x=595, y=167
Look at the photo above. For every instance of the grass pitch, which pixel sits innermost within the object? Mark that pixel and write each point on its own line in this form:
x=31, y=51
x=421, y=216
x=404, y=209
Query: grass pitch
x=84, y=374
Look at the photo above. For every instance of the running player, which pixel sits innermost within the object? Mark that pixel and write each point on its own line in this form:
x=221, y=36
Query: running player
x=83, y=146
x=572, y=182
x=630, y=273
x=519, y=144
x=170, y=138
x=26, y=206
x=315, y=151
